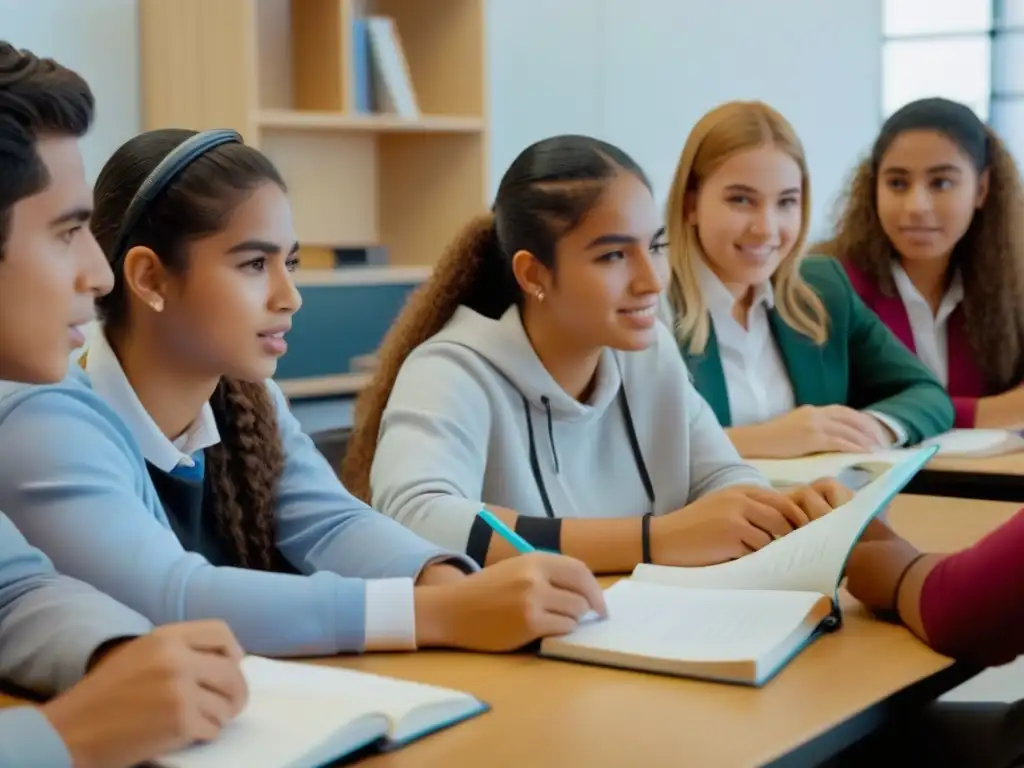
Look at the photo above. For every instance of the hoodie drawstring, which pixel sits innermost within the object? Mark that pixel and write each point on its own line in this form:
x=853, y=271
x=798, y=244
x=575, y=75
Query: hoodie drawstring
x=535, y=463
x=551, y=432
x=634, y=444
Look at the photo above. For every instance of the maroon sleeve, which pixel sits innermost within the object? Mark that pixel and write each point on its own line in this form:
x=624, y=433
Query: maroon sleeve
x=966, y=409
x=972, y=602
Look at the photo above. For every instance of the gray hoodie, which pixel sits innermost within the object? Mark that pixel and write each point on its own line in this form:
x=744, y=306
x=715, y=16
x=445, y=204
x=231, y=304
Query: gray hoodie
x=475, y=417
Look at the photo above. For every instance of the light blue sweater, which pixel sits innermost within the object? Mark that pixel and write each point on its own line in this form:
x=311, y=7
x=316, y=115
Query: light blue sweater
x=50, y=626
x=74, y=480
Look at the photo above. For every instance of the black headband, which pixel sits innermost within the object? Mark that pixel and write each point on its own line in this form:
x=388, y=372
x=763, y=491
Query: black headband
x=955, y=120
x=176, y=161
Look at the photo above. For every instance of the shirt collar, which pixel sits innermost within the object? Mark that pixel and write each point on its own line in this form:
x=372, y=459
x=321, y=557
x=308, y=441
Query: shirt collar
x=909, y=293
x=720, y=300
x=109, y=382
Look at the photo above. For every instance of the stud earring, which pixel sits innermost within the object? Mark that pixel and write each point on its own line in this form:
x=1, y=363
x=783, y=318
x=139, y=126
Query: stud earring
x=539, y=294
x=157, y=305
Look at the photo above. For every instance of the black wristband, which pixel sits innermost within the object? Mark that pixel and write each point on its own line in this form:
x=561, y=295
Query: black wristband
x=899, y=583
x=645, y=537
x=542, y=532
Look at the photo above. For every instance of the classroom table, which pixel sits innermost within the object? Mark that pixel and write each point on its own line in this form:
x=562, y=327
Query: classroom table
x=551, y=713
x=999, y=478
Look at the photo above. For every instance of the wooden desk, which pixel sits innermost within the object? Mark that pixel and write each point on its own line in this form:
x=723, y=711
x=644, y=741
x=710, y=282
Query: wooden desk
x=1000, y=478
x=554, y=714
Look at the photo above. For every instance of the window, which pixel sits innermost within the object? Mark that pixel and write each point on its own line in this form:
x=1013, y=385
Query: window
x=1008, y=74
x=937, y=48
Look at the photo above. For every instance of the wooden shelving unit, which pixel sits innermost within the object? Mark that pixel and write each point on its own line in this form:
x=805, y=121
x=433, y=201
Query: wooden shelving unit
x=281, y=73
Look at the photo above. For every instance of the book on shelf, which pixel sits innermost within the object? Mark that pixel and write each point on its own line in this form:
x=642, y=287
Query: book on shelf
x=306, y=715
x=390, y=81
x=741, y=621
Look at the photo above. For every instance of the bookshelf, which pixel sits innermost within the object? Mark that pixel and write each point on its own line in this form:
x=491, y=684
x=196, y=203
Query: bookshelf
x=282, y=73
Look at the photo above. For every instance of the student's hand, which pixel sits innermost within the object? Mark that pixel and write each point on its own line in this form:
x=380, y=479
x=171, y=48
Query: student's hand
x=508, y=604
x=152, y=695
x=724, y=525
x=810, y=429
x=820, y=497
x=874, y=568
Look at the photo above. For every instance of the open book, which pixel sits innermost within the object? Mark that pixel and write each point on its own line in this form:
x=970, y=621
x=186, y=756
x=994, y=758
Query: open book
x=740, y=621
x=305, y=715
x=858, y=469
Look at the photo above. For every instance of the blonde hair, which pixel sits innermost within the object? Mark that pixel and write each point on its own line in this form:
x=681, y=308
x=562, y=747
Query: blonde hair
x=720, y=134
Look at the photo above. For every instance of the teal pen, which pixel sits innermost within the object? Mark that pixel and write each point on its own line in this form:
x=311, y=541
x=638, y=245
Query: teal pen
x=521, y=545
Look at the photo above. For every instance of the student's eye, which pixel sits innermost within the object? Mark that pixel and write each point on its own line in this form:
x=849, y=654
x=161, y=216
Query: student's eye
x=256, y=265
x=740, y=200
x=292, y=264
x=789, y=202
x=898, y=185
x=659, y=247
x=69, y=234
x=942, y=183
x=611, y=256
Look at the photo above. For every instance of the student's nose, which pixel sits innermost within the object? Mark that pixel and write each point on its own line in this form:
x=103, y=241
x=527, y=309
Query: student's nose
x=647, y=277
x=94, y=275
x=284, y=294
x=918, y=200
x=764, y=223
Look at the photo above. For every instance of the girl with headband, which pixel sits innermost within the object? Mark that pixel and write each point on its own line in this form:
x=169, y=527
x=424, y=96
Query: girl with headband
x=932, y=236
x=167, y=471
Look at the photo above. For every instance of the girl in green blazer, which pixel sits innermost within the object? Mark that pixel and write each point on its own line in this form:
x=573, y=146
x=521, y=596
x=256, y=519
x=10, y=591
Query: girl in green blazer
x=786, y=354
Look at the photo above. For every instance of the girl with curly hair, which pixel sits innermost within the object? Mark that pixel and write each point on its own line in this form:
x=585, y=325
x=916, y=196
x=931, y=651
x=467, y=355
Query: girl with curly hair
x=931, y=234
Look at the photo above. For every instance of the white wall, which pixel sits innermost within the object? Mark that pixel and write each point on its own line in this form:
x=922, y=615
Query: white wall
x=100, y=40
x=640, y=73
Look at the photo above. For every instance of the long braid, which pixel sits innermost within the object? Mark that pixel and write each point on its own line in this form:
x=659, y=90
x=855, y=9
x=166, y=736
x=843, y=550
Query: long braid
x=245, y=469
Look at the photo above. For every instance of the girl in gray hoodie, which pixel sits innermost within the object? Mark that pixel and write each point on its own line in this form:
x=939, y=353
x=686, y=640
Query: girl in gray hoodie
x=532, y=375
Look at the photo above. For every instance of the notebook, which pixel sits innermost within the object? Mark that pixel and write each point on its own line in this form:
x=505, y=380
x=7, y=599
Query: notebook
x=740, y=621
x=305, y=715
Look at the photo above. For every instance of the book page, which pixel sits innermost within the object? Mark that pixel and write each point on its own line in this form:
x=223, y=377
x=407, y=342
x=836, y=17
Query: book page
x=860, y=468
x=298, y=710
x=977, y=443
x=811, y=558
x=657, y=621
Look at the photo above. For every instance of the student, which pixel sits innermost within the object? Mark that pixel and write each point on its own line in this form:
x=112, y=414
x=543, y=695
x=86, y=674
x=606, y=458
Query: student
x=167, y=470
x=968, y=605
x=932, y=237
x=786, y=355
x=145, y=693
x=531, y=374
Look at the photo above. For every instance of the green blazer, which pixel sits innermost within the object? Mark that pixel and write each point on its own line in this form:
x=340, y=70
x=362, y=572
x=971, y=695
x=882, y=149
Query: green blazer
x=862, y=364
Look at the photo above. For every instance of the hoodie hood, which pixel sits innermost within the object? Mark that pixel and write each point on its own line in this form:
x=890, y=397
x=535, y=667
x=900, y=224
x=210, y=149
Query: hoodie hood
x=505, y=346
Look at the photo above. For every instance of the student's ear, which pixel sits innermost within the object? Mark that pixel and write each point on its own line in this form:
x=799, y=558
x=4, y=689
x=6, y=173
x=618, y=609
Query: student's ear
x=146, y=277
x=984, y=182
x=534, y=278
x=690, y=208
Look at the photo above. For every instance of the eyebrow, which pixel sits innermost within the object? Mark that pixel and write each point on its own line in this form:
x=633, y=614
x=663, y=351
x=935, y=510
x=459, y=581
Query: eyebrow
x=261, y=246
x=752, y=191
x=615, y=238
x=943, y=168
x=78, y=215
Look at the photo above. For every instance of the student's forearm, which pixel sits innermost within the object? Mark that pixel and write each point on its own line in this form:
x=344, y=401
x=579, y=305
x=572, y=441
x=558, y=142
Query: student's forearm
x=1005, y=411
x=748, y=440
x=606, y=545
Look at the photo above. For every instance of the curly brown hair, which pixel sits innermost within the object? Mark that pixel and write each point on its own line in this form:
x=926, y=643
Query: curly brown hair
x=544, y=194
x=244, y=469
x=989, y=257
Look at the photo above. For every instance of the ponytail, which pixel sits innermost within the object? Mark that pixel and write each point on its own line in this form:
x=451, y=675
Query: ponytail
x=470, y=272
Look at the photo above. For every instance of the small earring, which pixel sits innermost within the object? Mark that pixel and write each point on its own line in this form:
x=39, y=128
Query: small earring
x=539, y=294
x=157, y=305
